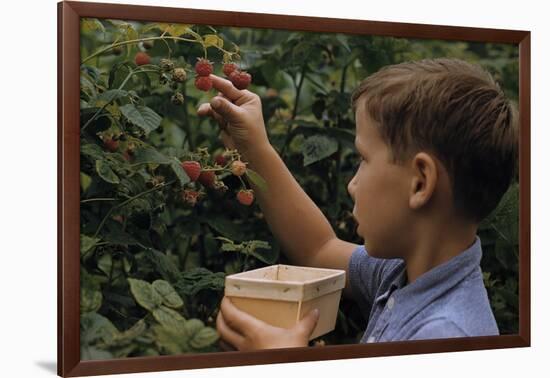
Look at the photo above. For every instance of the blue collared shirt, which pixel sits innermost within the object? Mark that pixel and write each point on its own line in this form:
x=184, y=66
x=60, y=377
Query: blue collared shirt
x=450, y=300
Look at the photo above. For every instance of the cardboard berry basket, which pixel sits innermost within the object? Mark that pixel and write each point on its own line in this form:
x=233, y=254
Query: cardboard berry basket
x=281, y=295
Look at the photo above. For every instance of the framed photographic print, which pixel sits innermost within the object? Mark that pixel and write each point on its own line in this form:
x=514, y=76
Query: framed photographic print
x=217, y=176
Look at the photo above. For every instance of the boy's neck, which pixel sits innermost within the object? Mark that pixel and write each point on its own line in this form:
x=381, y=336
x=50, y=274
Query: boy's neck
x=431, y=251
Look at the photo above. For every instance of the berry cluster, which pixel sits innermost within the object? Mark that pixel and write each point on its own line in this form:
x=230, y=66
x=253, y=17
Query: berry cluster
x=228, y=161
x=240, y=79
x=203, y=68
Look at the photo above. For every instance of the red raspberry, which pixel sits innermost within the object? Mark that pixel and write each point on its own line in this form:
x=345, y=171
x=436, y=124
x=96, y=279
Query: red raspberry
x=111, y=144
x=203, y=83
x=245, y=197
x=240, y=79
x=220, y=160
x=190, y=197
x=238, y=168
x=207, y=178
x=142, y=58
x=228, y=68
x=203, y=67
x=192, y=168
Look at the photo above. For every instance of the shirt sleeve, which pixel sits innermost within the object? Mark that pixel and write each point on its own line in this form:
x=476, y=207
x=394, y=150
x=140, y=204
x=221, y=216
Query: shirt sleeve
x=438, y=328
x=366, y=273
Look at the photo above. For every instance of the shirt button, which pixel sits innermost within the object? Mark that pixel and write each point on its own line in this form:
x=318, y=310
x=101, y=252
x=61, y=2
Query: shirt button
x=391, y=302
x=371, y=339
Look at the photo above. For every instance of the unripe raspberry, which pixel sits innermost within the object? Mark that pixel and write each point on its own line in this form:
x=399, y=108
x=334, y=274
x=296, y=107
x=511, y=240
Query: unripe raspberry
x=111, y=144
x=166, y=65
x=177, y=98
x=179, y=75
x=238, y=168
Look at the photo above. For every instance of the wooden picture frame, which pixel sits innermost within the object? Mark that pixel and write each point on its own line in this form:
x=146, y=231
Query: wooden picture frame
x=69, y=15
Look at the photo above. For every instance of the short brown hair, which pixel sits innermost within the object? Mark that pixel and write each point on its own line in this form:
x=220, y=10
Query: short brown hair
x=456, y=111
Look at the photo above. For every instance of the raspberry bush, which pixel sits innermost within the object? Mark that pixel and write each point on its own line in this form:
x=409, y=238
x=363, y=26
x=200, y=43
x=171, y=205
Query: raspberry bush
x=167, y=211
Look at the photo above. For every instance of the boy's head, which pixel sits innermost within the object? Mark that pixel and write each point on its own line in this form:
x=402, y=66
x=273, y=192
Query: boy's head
x=445, y=110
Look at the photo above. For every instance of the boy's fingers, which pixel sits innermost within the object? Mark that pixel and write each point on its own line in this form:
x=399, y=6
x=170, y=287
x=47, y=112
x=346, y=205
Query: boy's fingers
x=238, y=320
x=227, y=334
x=226, y=87
x=308, y=322
x=206, y=110
x=226, y=109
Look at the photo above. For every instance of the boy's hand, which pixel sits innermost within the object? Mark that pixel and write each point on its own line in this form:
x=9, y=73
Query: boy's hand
x=246, y=332
x=239, y=114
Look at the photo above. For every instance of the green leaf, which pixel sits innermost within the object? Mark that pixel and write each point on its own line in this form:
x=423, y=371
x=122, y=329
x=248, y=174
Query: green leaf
x=163, y=265
x=91, y=150
x=212, y=40
x=175, y=30
x=224, y=226
x=112, y=94
x=318, y=147
x=91, y=25
x=88, y=352
x=145, y=295
x=95, y=327
x=170, y=319
x=203, y=338
x=169, y=296
x=262, y=251
x=179, y=172
x=141, y=116
x=167, y=341
x=87, y=243
x=192, y=327
x=256, y=179
x=85, y=181
x=105, y=172
x=105, y=264
x=150, y=155
x=90, y=300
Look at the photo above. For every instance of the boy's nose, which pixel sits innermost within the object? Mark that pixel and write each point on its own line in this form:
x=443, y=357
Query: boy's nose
x=351, y=187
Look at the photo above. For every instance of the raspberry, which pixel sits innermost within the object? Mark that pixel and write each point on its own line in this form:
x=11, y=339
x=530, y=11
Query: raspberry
x=111, y=144
x=238, y=168
x=220, y=160
x=142, y=58
x=203, y=67
x=203, y=83
x=179, y=75
x=207, y=178
x=166, y=65
x=190, y=197
x=240, y=79
x=228, y=68
x=192, y=168
x=245, y=197
x=177, y=99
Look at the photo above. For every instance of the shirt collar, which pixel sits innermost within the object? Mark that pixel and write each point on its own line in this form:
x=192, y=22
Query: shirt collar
x=439, y=279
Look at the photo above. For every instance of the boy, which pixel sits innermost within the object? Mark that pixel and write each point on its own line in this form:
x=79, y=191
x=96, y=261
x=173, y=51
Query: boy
x=437, y=141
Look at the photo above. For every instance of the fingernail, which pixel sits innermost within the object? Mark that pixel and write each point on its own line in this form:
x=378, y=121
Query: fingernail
x=215, y=102
x=316, y=312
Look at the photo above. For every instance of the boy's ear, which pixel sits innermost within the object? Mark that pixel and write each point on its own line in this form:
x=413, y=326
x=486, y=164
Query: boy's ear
x=424, y=179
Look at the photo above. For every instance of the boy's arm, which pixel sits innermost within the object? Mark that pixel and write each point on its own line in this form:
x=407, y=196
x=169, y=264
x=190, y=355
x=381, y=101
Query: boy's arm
x=298, y=224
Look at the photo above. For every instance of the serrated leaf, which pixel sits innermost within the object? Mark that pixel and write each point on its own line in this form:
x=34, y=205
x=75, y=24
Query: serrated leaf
x=170, y=319
x=262, y=251
x=318, y=147
x=95, y=327
x=192, y=327
x=141, y=116
x=169, y=296
x=256, y=179
x=104, y=171
x=212, y=40
x=175, y=30
x=150, y=155
x=224, y=226
x=144, y=294
x=204, y=338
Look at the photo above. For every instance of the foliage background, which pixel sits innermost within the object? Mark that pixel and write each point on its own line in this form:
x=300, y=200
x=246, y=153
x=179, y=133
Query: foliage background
x=136, y=228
